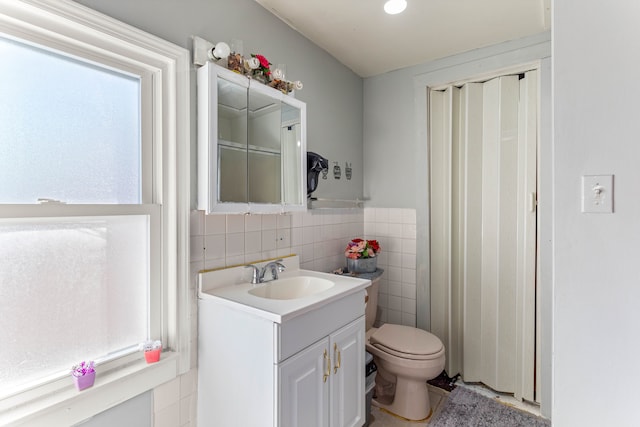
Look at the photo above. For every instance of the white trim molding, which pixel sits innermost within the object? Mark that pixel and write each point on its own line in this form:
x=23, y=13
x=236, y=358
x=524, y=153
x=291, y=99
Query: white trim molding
x=76, y=30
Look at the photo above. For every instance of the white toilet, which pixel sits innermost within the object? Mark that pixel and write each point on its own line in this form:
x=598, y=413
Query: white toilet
x=406, y=358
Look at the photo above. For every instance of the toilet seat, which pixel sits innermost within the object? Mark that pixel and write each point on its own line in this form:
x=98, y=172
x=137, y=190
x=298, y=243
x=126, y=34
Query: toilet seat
x=407, y=342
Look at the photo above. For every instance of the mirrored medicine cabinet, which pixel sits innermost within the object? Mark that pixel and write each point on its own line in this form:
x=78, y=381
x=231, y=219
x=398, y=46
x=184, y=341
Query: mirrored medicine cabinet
x=251, y=145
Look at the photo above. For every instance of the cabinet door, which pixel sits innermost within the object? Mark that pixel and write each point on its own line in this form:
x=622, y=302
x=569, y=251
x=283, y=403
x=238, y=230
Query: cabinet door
x=304, y=387
x=251, y=145
x=347, y=375
x=222, y=140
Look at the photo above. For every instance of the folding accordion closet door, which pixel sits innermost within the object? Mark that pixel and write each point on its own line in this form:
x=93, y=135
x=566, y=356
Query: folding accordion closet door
x=483, y=149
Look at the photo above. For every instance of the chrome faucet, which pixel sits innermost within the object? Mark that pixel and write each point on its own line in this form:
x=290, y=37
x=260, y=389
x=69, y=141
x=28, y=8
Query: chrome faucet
x=258, y=274
x=275, y=267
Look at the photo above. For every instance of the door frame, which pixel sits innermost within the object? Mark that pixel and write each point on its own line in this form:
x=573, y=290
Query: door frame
x=493, y=60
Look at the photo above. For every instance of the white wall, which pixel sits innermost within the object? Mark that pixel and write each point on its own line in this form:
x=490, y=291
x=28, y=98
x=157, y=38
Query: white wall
x=333, y=93
x=597, y=286
x=319, y=237
x=133, y=412
x=394, y=150
x=395, y=120
x=395, y=230
x=595, y=128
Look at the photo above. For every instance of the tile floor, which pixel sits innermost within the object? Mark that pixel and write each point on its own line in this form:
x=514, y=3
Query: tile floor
x=384, y=419
x=438, y=397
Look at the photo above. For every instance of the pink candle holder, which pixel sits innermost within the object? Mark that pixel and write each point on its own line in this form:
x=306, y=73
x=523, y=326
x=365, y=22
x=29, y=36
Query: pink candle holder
x=152, y=356
x=84, y=381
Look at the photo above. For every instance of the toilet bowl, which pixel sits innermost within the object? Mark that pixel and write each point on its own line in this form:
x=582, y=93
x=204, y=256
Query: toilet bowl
x=406, y=358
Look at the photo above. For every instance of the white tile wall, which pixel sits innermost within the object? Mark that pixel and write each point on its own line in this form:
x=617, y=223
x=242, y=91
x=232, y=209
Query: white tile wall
x=319, y=237
x=174, y=402
x=395, y=230
x=166, y=407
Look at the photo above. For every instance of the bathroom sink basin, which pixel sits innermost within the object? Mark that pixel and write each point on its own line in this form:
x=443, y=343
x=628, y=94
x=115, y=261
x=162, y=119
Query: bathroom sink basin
x=296, y=292
x=292, y=287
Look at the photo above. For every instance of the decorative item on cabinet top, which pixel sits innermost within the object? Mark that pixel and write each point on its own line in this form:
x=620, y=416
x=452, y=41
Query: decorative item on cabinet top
x=256, y=66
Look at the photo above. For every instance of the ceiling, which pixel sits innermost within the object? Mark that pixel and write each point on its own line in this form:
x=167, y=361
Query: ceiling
x=363, y=37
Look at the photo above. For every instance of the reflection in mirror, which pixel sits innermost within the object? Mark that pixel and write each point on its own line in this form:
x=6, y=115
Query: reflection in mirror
x=264, y=148
x=291, y=155
x=232, y=142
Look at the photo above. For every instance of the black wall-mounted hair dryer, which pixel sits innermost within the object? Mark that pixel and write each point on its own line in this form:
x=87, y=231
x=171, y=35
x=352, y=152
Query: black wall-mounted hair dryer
x=315, y=164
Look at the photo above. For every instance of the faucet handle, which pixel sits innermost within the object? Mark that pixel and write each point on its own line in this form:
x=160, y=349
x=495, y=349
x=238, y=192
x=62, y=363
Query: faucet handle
x=255, y=279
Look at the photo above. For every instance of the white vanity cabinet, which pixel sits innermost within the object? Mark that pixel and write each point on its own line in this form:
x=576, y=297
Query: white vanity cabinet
x=322, y=385
x=305, y=371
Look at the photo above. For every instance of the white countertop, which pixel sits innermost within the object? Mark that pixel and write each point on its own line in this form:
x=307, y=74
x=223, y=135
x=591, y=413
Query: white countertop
x=230, y=287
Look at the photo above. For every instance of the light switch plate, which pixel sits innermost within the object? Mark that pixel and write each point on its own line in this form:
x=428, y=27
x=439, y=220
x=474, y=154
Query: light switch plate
x=597, y=193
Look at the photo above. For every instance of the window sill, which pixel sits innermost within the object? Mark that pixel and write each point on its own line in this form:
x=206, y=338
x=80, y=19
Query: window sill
x=67, y=406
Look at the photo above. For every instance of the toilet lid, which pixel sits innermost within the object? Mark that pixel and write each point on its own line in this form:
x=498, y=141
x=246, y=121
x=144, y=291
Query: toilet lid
x=407, y=340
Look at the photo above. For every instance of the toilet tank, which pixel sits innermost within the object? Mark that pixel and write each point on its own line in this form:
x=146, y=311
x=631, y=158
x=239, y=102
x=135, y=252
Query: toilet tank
x=371, y=310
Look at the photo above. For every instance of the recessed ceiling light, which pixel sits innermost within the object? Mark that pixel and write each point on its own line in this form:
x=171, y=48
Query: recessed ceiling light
x=393, y=7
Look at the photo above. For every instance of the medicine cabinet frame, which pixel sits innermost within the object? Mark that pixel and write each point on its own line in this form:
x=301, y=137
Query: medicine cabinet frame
x=215, y=174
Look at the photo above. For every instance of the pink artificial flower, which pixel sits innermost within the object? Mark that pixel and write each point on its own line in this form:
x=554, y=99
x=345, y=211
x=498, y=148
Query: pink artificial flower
x=263, y=61
x=83, y=368
x=359, y=248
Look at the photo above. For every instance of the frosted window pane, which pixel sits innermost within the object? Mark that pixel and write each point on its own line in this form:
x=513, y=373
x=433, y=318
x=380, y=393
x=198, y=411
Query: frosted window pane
x=70, y=290
x=69, y=130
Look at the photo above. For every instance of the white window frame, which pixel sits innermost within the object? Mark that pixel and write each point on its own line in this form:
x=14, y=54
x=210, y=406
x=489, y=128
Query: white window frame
x=68, y=27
